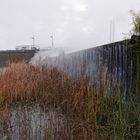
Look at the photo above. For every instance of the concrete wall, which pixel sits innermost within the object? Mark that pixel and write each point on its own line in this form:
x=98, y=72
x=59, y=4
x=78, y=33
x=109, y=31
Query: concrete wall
x=117, y=59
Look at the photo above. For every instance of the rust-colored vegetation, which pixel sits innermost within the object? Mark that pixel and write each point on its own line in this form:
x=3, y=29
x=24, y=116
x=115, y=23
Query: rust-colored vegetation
x=90, y=111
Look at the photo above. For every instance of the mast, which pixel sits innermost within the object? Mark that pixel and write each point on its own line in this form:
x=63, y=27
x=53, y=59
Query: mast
x=33, y=38
x=52, y=40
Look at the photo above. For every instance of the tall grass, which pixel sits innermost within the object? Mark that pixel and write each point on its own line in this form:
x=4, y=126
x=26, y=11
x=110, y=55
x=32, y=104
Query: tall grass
x=90, y=111
x=20, y=82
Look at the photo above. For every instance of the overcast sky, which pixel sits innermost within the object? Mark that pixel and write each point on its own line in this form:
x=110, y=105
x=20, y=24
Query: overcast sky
x=74, y=23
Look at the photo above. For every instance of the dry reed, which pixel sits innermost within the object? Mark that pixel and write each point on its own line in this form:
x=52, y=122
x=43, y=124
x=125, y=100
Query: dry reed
x=90, y=113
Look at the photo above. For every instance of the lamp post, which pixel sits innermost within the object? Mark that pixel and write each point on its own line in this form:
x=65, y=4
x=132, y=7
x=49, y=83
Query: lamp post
x=52, y=40
x=33, y=38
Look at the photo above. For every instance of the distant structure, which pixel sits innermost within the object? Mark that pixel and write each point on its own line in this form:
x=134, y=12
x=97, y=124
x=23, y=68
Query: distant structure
x=32, y=47
x=27, y=48
x=52, y=40
x=33, y=38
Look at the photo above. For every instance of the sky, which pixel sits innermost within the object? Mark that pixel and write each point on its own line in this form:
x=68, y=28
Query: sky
x=75, y=24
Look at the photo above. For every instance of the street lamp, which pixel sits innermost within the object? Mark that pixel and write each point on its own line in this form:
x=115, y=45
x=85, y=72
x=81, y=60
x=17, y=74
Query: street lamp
x=33, y=38
x=52, y=40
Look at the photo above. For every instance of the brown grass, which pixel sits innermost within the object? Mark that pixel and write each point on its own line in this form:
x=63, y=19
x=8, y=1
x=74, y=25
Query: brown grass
x=23, y=83
x=90, y=113
x=20, y=82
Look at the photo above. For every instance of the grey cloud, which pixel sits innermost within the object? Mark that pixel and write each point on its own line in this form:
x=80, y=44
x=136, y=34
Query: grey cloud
x=75, y=23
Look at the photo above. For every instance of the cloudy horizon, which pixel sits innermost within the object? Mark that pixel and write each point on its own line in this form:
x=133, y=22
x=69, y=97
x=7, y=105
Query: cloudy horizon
x=74, y=23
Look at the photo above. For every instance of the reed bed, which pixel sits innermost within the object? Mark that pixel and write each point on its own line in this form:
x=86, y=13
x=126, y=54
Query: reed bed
x=90, y=112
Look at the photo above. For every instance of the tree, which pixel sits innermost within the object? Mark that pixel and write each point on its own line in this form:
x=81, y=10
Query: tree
x=135, y=22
